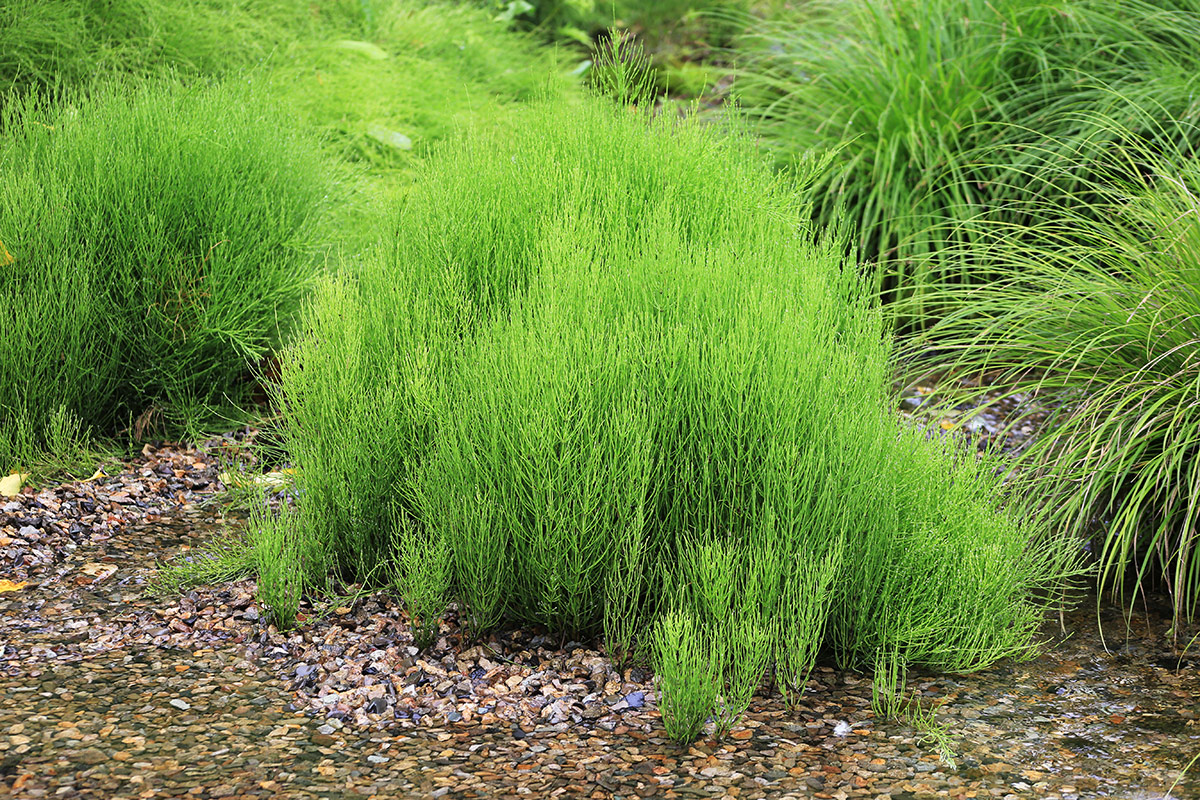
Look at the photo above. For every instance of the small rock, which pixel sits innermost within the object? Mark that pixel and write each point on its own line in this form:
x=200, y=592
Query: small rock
x=326, y=729
x=91, y=756
x=378, y=759
x=377, y=706
x=181, y=704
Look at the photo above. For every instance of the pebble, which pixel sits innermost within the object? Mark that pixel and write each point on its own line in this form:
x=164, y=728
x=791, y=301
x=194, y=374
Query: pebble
x=91, y=756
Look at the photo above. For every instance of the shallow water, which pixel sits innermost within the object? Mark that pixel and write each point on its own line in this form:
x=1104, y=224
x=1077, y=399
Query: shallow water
x=97, y=699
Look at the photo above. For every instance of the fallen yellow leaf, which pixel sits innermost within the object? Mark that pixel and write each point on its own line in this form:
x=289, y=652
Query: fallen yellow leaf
x=10, y=586
x=11, y=485
x=6, y=257
x=947, y=425
x=99, y=473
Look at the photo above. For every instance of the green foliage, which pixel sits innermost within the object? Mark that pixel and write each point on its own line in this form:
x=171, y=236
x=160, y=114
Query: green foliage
x=689, y=676
x=289, y=565
x=157, y=241
x=421, y=575
x=888, y=700
x=221, y=560
x=61, y=448
x=652, y=20
x=945, y=112
x=686, y=39
x=736, y=608
x=1102, y=321
x=383, y=87
x=799, y=618
x=357, y=394
x=623, y=383
x=75, y=42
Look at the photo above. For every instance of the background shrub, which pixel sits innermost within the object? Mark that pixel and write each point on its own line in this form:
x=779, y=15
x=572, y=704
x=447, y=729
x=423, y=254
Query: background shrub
x=687, y=41
x=70, y=43
x=945, y=113
x=156, y=242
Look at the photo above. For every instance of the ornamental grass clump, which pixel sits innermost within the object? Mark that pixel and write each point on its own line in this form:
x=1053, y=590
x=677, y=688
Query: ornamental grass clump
x=607, y=364
x=945, y=112
x=155, y=242
x=1102, y=324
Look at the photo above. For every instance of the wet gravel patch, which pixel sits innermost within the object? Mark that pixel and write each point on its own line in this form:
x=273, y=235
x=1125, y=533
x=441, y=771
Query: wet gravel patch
x=39, y=528
x=105, y=692
x=994, y=419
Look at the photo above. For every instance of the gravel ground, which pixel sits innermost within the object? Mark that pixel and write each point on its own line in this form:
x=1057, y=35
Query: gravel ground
x=105, y=692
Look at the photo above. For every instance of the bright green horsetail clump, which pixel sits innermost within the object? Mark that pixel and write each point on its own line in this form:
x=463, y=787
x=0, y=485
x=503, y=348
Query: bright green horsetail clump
x=612, y=382
x=153, y=243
